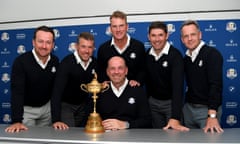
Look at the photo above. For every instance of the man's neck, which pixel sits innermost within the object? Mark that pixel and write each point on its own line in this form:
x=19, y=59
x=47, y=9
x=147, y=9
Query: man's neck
x=121, y=43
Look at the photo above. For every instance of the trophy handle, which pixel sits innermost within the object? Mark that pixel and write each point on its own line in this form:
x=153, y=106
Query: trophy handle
x=105, y=87
x=84, y=87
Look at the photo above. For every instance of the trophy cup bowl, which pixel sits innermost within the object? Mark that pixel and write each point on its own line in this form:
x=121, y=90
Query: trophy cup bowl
x=94, y=122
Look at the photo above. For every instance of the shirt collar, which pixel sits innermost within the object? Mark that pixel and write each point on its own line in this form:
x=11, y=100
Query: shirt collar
x=195, y=52
x=165, y=51
x=125, y=47
x=80, y=61
x=39, y=61
x=119, y=91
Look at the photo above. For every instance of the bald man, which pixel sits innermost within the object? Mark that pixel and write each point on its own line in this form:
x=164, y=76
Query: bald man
x=122, y=106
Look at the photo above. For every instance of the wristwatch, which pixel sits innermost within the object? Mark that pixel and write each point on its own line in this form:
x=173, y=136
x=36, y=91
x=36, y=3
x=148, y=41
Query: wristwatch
x=127, y=125
x=213, y=115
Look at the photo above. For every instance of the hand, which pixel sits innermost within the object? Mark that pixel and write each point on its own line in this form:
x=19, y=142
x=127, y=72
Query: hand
x=60, y=126
x=134, y=83
x=113, y=124
x=212, y=125
x=16, y=127
x=175, y=124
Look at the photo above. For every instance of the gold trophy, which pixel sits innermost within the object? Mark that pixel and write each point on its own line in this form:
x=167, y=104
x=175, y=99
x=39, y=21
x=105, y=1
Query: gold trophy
x=94, y=123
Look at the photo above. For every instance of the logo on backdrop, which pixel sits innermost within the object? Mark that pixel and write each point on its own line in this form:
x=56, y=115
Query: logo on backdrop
x=72, y=47
x=231, y=120
x=131, y=30
x=5, y=65
x=5, y=51
x=56, y=33
x=171, y=42
x=5, y=36
x=210, y=28
x=231, y=89
x=7, y=118
x=5, y=77
x=108, y=31
x=93, y=32
x=55, y=48
x=21, y=49
x=72, y=34
x=231, y=26
x=231, y=59
x=6, y=105
x=231, y=73
x=212, y=44
x=5, y=91
x=20, y=36
x=231, y=104
x=147, y=45
x=171, y=28
x=231, y=43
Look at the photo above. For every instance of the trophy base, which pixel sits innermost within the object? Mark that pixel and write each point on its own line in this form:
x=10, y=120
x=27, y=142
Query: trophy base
x=94, y=124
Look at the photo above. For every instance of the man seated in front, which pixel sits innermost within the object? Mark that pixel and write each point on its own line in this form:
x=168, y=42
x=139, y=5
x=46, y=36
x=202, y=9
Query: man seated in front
x=122, y=106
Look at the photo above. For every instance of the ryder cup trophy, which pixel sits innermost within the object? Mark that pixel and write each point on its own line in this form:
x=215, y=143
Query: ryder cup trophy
x=94, y=123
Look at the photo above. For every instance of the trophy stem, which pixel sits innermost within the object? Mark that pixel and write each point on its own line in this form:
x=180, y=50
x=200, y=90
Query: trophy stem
x=94, y=102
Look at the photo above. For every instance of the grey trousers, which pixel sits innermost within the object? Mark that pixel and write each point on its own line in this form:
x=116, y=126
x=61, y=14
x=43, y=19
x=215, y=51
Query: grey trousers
x=37, y=116
x=161, y=112
x=195, y=115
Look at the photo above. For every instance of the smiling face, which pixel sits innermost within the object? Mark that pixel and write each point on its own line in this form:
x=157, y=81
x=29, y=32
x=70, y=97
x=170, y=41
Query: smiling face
x=85, y=49
x=43, y=44
x=158, y=38
x=191, y=36
x=119, y=28
x=117, y=71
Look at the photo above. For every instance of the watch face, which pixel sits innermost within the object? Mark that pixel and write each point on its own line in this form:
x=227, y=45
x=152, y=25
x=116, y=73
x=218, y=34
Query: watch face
x=212, y=115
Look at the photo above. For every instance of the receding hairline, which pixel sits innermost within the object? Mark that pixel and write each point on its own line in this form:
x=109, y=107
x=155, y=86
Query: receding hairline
x=117, y=58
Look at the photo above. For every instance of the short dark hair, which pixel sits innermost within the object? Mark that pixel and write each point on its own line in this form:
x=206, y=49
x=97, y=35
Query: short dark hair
x=86, y=36
x=44, y=28
x=158, y=24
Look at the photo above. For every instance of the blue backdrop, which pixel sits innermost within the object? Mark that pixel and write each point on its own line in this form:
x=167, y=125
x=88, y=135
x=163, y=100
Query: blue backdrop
x=222, y=34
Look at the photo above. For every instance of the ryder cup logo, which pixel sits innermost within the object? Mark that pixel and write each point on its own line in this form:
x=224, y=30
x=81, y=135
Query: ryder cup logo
x=5, y=37
x=231, y=73
x=72, y=47
x=171, y=28
x=5, y=77
x=21, y=49
x=108, y=31
x=231, y=27
x=6, y=118
x=56, y=33
x=231, y=120
x=131, y=100
x=133, y=55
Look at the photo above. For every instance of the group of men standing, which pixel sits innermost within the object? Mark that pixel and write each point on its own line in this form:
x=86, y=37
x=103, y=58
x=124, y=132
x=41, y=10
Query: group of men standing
x=146, y=87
